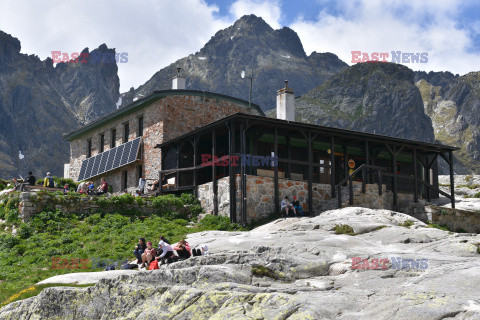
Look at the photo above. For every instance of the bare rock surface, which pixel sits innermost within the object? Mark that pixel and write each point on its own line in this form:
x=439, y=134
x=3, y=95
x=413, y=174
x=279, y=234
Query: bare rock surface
x=295, y=268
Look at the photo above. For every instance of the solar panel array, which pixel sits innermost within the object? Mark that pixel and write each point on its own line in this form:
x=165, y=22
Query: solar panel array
x=109, y=160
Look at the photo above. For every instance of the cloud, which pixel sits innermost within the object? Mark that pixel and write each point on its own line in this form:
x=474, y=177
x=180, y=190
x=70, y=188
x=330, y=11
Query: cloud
x=385, y=26
x=153, y=33
x=269, y=10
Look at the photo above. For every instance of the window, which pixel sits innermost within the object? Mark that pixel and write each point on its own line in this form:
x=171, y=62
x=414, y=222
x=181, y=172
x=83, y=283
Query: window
x=140, y=126
x=125, y=180
x=140, y=171
x=89, y=148
x=126, y=132
x=113, y=140
x=102, y=142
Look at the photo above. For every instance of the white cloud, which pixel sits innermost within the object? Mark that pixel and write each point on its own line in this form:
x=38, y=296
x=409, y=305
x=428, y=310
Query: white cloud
x=153, y=33
x=269, y=10
x=385, y=26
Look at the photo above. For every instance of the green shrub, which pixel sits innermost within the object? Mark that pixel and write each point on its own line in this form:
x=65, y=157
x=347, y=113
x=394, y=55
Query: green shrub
x=344, y=229
x=407, y=224
x=8, y=241
x=11, y=216
x=25, y=231
x=211, y=222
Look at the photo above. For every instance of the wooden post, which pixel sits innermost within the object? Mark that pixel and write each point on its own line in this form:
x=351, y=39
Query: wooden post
x=452, y=180
x=415, y=181
x=364, y=177
x=345, y=161
x=394, y=187
x=195, y=181
x=214, y=174
x=380, y=182
x=177, y=176
x=427, y=178
x=350, y=190
x=243, y=175
x=289, y=165
x=231, y=172
x=367, y=161
x=310, y=175
x=275, y=174
x=332, y=167
x=339, y=196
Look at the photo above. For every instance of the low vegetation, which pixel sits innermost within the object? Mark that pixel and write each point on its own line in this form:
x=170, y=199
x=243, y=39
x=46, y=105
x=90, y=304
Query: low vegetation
x=407, y=224
x=344, y=229
x=27, y=255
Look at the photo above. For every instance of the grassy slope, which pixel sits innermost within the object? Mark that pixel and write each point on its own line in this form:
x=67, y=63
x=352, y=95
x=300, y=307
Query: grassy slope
x=26, y=258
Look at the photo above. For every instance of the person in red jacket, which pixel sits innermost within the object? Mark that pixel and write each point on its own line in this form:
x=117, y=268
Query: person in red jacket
x=148, y=255
x=103, y=187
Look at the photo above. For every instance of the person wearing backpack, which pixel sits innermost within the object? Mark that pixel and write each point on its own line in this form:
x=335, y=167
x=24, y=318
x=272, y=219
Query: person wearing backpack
x=49, y=182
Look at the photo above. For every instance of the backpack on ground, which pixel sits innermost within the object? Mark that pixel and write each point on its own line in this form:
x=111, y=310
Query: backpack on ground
x=153, y=265
x=129, y=266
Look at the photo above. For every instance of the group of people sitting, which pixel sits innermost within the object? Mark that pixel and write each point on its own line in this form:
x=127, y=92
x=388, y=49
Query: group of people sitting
x=88, y=187
x=165, y=253
x=287, y=207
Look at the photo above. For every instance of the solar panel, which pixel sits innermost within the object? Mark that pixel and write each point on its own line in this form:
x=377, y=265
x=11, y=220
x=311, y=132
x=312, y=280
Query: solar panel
x=110, y=160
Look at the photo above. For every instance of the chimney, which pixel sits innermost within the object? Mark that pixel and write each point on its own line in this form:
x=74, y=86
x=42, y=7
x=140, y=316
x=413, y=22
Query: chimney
x=285, y=103
x=178, y=81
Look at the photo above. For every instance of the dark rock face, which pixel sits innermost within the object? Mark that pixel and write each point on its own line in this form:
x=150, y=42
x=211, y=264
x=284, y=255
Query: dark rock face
x=39, y=103
x=441, y=78
x=249, y=44
x=454, y=108
x=378, y=98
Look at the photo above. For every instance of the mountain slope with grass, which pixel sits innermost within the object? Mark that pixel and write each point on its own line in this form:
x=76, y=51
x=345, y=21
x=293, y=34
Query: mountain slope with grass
x=27, y=248
x=378, y=98
x=453, y=107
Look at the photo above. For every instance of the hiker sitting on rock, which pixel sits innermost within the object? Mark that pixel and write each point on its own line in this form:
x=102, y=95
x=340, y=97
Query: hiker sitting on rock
x=140, y=249
x=49, y=182
x=286, y=206
x=167, y=251
x=297, y=206
x=183, y=249
x=103, y=187
x=16, y=185
x=28, y=181
x=148, y=255
x=203, y=252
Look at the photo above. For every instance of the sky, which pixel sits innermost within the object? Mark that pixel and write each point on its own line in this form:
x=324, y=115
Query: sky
x=155, y=33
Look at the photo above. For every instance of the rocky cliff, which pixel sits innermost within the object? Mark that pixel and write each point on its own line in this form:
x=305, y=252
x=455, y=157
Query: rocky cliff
x=292, y=269
x=378, y=98
x=249, y=44
x=454, y=107
x=40, y=102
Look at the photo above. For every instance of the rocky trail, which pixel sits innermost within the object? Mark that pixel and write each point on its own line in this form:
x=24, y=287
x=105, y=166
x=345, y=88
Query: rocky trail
x=296, y=268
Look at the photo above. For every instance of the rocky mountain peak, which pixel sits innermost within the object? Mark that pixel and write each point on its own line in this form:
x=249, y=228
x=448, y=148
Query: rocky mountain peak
x=9, y=45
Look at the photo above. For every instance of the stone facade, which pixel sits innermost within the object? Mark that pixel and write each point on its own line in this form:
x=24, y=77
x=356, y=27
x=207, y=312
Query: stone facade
x=261, y=203
x=166, y=118
x=32, y=203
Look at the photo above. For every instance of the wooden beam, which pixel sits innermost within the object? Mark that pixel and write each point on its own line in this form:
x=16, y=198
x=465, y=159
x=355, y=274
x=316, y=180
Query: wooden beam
x=231, y=173
x=332, y=171
x=195, y=173
x=243, y=175
x=415, y=175
x=427, y=178
x=452, y=180
x=367, y=160
x=214, y=174
x=394, y=186
x=276, y=188
x=310, y=174
x=289, y=150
